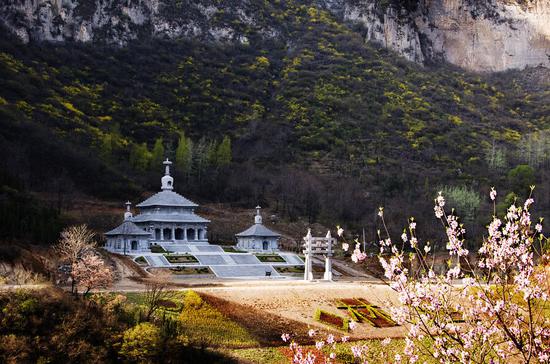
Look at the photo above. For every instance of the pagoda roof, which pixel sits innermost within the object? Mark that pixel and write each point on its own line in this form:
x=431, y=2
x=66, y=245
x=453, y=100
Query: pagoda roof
x=167, y=198
x=258, y=230
x=160, y=217
x=127, y=228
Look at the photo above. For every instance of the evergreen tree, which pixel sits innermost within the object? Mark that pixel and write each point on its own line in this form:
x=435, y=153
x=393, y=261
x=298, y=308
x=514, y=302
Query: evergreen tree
x=158, y=154
x=106, y=148
x=184, y=154
x=212, y=154
x=140, y=157
x=223, y=152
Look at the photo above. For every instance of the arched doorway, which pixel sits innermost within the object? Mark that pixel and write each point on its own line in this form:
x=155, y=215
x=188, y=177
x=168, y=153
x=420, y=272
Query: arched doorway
x=190, y=234
x=157, y=234
x=167, y=234
x=179, y=234
x=134, y=245
x=265, y=245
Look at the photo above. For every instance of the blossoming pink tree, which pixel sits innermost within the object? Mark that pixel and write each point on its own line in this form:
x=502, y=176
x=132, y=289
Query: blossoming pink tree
x=494, y=311
x=489, y=308
x=91, y=272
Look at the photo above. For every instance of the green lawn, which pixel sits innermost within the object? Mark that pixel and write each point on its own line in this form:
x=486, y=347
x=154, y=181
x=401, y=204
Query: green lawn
x=203, y=324
x=260, y=355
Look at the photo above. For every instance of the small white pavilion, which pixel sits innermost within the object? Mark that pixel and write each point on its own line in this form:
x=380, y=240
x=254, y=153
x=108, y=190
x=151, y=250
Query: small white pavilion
x=165, y=218
x=258, y=238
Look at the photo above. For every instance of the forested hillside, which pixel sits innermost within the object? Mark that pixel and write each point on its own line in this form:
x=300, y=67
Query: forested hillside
x=314, y=123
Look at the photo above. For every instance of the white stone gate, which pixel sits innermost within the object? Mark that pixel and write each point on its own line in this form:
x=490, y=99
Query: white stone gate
x=318, y=246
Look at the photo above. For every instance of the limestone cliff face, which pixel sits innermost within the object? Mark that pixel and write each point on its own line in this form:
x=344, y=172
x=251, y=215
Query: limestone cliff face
x=489, y=35
x=120, y=21
x=492, y=35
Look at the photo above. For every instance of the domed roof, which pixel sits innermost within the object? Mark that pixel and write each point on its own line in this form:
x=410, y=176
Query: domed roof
x=167, y=198
x=258, y=229
x=127, y=228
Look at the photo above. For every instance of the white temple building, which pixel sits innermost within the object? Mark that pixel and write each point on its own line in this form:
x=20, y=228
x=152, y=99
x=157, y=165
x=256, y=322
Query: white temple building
x=165, y=218
x=258, y=238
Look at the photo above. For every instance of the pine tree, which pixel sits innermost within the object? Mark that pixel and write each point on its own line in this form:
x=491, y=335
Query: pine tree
x=140, y=157
x=223, y=152
x=212, y=154
x=157, y=154
x=106, y=148
x=184, y=154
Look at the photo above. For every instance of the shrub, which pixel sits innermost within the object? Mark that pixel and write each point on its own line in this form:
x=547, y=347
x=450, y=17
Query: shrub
x=141, y=342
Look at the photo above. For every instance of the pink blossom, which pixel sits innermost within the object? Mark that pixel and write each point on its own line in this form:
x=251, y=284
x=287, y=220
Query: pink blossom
x=493, y=194
x=357, y=351
x=311, y=333
x=285, y=337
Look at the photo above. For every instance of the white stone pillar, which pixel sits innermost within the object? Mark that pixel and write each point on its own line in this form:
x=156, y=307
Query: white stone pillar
x=185, y=233
x=308, y=273
x=196, y=234
x=161, y=232
x=328, y=259
x=174, y=233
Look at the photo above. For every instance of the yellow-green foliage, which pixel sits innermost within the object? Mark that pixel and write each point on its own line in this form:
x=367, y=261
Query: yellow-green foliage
x=141, y=342
x=203, y=324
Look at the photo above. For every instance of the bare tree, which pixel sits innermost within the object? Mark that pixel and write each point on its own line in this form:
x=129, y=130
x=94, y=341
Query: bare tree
x=156, y=291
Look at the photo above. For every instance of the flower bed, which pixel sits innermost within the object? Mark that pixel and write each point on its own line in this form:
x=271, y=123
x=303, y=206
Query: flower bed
x=232, y=249
x=141, y=261
x=190, y=270
x=181, y=258
x=331, y=319
x=270, y=258
x=157, y=249
x=374, y=316
x=352, y=302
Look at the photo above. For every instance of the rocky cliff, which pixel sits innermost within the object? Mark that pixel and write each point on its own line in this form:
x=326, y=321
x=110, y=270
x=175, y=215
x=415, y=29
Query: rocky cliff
x=491, y=35
x=476, y=35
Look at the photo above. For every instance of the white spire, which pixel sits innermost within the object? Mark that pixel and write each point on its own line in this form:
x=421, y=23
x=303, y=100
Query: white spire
x=258, y=217
x=167, y=182
x=128, y=214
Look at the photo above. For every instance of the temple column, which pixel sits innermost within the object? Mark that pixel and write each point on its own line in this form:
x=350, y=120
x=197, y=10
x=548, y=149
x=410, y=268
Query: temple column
x=174, y=232
x=196, y=234
x=161, y=232
x=185, y=233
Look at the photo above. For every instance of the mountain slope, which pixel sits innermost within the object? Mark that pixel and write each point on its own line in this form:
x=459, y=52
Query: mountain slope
x=491, y=35
x=322, y=124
